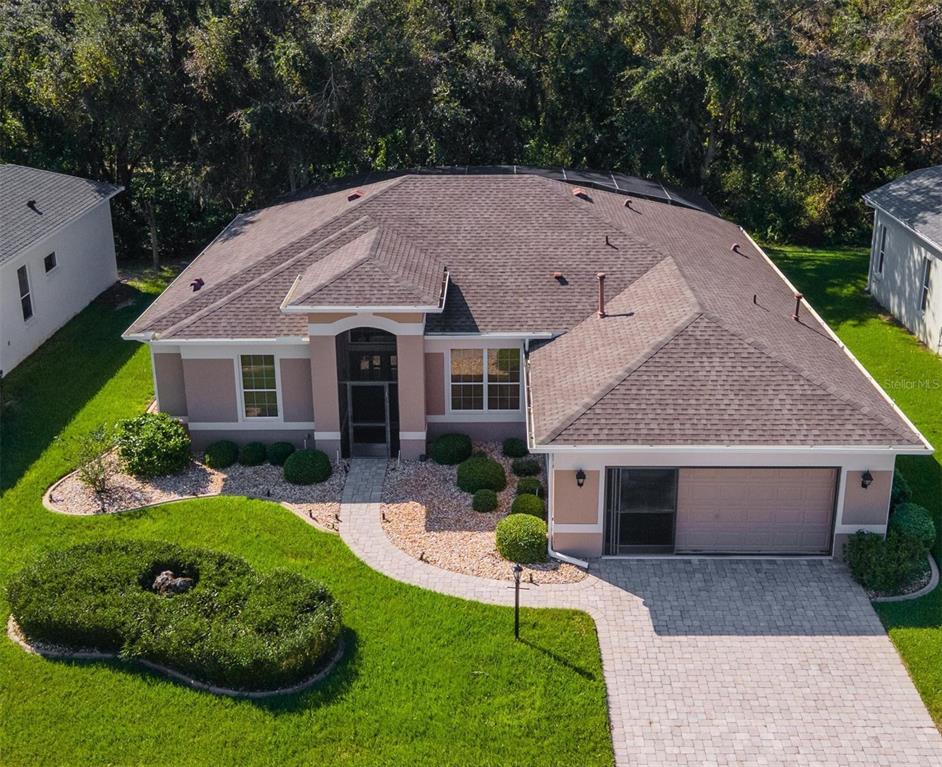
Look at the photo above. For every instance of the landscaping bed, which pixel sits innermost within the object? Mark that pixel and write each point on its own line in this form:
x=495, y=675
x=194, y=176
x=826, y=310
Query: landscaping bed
x=426, y=515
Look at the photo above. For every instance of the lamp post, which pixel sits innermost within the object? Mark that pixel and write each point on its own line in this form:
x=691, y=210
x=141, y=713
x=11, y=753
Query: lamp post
x=517, y=570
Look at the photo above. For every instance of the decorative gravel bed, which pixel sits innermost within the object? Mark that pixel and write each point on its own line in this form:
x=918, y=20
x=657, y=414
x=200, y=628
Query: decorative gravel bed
x=428, y=517
x=320, y=503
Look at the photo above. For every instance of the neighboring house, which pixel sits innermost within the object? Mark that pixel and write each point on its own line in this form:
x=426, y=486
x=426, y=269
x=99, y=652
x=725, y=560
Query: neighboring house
x=906, y=252
x=56, y=254
x=680, y=403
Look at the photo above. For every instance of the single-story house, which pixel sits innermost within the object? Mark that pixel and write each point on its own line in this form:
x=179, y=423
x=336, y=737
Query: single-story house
x=906, y=252
x=685, y=398
x=56, y=254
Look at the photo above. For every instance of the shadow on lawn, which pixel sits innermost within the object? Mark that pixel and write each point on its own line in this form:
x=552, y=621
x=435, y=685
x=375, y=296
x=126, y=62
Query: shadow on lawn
x=585, y=674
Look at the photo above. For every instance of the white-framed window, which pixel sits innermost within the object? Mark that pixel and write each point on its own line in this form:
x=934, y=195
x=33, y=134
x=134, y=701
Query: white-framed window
x=26, y=295
x=259, y=385
x=50, y=262
x=926, y=276
x=881, y=248
x=485, y=379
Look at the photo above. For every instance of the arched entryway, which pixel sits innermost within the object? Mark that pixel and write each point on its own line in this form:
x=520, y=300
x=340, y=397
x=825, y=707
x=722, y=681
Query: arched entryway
x=367, y=374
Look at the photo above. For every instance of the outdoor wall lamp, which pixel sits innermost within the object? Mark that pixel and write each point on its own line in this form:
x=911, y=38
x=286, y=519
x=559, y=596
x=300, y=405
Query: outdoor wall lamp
x=580, y=477
x=866, y=479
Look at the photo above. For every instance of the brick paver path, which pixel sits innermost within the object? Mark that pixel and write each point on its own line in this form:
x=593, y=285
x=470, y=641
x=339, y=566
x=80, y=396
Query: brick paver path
x=712, y=661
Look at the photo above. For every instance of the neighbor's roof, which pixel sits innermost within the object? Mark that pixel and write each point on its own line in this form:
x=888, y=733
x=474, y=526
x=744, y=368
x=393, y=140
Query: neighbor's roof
x=916, y=200
x=57, y=199
x=698, y=345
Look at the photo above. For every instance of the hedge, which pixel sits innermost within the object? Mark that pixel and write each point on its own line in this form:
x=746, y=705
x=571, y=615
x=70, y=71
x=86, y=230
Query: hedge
x=451, y=449
x=530, y=485
x=235, y=627
x=900, y=492
x=525, y=467
x=221, y=454
x=153, y=445
x=484, y=500
x=529, y=504
x=278, y=453
x=514, y=447
x=916, y=521
x=884, y=565
x=305, y=467
x=252, y=454
x=478, y=473
x=522, y=538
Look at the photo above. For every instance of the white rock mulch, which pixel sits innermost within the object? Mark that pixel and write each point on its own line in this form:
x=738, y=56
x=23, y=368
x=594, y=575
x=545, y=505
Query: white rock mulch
x=428, y=517
x=320, y=503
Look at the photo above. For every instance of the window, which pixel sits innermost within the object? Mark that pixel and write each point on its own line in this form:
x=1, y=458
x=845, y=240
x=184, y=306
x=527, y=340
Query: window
x=259, y=386
x=26, y=298
x=49, y=262
x=881, y=253
x=470, y=378
x=926, y=273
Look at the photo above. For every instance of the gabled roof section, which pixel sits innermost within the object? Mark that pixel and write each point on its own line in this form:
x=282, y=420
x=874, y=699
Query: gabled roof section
x=916, y=200
x=56, y=200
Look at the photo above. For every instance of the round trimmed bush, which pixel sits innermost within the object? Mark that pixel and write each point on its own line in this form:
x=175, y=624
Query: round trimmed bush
x=278, y=453
x=153, y=445
x=916, y=521
x=484, y=500
x=514, y=447
x=525, y=467
x=522, y=538
x=529, y=504
x=221, y=454
x=481, y=473
x=900, y=492
x=451, y=449
x=305, y=467
x=252, y=454
x=530, y=485
x=232, y=627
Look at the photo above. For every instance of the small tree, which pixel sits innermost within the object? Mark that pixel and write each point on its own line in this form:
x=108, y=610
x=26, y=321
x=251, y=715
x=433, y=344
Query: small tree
x=95, y=468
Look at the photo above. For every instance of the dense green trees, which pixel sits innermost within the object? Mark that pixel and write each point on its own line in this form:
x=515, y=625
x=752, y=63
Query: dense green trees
x=782, y=111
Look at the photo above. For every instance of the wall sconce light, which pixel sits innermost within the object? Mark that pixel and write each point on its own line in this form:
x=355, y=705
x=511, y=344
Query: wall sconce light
x=580, y=477
x=866, y=479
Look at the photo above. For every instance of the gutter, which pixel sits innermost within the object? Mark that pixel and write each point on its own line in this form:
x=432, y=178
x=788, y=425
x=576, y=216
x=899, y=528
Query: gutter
x=549, y=533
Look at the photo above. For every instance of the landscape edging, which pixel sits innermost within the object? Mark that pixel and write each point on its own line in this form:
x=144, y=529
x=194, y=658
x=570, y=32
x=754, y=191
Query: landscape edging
x=933, y=582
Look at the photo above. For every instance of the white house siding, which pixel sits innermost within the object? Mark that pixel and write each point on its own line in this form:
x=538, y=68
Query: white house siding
x=85, y=267
x=899, y=288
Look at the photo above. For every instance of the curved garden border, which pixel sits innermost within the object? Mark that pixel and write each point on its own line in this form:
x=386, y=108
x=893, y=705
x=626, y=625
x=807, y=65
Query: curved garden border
x=933, y=582
x=16, y=635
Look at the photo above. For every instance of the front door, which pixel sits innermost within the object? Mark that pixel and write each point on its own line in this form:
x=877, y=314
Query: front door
x=369, y=426
x=641, y=505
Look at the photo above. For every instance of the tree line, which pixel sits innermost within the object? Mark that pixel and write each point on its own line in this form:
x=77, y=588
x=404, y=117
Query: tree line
x=783, y=112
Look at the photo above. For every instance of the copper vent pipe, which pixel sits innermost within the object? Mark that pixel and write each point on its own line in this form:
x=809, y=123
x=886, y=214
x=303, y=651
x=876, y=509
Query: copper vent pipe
x=601, y=277
x=798, y=297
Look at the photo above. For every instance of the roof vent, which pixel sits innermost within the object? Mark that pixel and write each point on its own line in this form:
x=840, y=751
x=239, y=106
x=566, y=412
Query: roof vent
x=356, y=194
x=578, y=191
x=798, y=297
x=31, y=204
x=560, y=278
x=627, y=202
x=601, y=277
x=197, y=284
x=735, y=248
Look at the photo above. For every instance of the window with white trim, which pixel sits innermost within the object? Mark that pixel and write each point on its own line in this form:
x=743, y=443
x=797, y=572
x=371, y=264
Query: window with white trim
x=926, y=275
x=259, y=386
x=50, y=262
x=881, y=252
x=485, y=379
x=26, y=295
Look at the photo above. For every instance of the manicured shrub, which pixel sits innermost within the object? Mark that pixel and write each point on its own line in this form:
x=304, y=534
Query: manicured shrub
x=153, y=445
x=525, y=467
x=884, y=566
x=529, y=504
x=916, y=521
x=900, y=492
x=221, y=454
x=522, y=538
x=514, y=447
x=252, y=454
x=479, y=473
x=233, y=627
x=530, y=485
x=451, y=449
x=484, y=500
x=305, y=467
x=278, y=453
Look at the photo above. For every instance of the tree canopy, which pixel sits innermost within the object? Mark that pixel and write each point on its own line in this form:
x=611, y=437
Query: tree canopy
x=783, y=112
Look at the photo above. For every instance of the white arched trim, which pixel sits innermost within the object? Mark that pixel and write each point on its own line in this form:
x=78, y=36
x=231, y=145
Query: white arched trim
x=367, y=321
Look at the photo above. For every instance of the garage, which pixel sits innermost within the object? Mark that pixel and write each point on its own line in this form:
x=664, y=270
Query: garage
x=755, y=511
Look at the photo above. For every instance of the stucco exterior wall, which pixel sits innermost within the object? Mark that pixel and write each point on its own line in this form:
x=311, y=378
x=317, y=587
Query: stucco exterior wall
x=296, y=436
x=410, y=351
x=870, y=506
x=326, y=393
x=490, y=431
x=211, y=390
x=581, y=545
x=85, y=268
x=573, y=504
x=898, y=288
x=169, y=383
x=297, y=403
x=434, y=383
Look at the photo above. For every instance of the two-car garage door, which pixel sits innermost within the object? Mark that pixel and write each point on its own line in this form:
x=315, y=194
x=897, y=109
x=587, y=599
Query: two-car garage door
x=755, y=511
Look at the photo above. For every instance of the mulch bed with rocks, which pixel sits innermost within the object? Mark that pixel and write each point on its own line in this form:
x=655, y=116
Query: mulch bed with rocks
x=319, y=503
x=426, y=515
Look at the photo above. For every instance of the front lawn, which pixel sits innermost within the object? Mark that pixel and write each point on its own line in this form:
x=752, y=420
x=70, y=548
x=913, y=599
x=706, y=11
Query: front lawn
x=428, y=679
x=834, y=282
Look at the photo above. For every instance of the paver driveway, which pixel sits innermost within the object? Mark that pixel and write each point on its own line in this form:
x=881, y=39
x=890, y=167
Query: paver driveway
x=713, y=661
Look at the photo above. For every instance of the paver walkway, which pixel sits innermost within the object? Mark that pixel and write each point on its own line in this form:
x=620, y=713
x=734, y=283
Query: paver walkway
x=712, y=661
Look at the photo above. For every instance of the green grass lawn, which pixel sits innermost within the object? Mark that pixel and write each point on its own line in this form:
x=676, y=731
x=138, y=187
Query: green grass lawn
x=429, y=680
x=834, y=282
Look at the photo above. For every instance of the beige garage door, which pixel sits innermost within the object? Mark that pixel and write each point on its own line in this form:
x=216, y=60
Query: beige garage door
x=755, y=511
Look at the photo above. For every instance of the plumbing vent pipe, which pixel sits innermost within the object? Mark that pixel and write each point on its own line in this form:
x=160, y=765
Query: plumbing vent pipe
x=601, y=278
x=798, y=297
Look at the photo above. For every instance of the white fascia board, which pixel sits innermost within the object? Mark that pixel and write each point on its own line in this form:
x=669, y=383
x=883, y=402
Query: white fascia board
x=929, y=450
x=935, y=247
